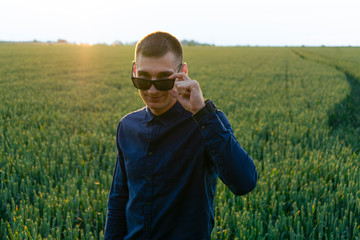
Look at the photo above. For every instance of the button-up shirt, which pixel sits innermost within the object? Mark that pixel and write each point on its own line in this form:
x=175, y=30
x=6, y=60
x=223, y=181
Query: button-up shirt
x=166, y=172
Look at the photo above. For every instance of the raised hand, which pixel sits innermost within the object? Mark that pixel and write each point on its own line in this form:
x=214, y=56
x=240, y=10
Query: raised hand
x=187, y=92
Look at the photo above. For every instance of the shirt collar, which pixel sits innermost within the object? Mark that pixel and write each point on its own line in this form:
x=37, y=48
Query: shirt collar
x=165, y=118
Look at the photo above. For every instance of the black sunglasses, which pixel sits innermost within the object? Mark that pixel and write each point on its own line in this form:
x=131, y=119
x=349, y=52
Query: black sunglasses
x=160, y=84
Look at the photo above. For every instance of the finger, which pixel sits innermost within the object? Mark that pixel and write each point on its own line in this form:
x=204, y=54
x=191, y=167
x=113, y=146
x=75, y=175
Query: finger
x=189, y=84
x=183, y=91
x=180, y=76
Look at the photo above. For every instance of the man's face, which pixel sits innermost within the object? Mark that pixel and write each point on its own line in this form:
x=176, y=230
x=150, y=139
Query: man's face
x=156, y=68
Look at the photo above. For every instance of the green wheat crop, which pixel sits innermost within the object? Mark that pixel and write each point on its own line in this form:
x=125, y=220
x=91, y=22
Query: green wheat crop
x=294, y=110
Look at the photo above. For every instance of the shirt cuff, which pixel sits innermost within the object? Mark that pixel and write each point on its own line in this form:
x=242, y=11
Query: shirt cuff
x=208, y=108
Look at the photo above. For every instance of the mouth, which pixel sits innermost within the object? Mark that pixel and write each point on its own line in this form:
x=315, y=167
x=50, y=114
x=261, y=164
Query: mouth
x=154, y=98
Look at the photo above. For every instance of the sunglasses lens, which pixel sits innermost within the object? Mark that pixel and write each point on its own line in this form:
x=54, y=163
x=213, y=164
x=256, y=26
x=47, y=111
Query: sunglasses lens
x=161, y=85
x=141, y=84
x=164, y=85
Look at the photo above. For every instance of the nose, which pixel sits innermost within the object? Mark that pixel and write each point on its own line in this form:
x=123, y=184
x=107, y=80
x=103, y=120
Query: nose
x=152, y=90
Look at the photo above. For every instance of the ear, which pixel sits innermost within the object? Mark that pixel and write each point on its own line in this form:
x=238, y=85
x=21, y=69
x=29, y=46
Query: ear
x=184, y=68
x=134, y=68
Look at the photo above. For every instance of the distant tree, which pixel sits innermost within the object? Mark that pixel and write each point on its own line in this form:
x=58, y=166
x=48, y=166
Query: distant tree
x=117, y=43
x=193, y=43
x=61, y=41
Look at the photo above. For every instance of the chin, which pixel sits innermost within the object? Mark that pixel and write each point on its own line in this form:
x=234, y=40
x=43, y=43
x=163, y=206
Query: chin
x=157, y=105
x=160, y=105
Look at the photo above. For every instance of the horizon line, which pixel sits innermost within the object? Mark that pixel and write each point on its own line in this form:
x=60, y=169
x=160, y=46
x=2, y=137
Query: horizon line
x=189, y=43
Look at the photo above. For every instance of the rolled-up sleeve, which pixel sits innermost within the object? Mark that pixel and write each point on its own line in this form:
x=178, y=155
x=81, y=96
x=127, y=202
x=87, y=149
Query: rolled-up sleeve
x=236, y=168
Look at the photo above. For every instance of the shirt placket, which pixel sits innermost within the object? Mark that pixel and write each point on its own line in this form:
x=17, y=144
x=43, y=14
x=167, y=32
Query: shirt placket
x=149, y=181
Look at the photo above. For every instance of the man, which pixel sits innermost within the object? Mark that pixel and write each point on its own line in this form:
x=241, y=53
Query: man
x=171, y=153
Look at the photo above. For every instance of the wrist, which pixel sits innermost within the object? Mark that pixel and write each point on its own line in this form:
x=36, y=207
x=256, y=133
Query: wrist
x=198, y=108
x=208, y=107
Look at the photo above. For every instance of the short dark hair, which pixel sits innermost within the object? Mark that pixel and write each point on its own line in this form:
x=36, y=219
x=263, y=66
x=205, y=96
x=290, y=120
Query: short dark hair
x=157, y=44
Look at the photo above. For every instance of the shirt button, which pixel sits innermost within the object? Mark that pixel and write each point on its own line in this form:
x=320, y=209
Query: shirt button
x=203, y=127
x=150, y=153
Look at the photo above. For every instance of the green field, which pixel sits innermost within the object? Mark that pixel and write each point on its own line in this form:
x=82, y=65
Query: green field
x=296, y=111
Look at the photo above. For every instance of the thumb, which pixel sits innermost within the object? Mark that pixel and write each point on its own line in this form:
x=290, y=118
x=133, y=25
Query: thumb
x=173, y=93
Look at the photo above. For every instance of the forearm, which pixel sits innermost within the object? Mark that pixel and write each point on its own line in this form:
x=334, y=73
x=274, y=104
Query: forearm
x=236, y=168
x=115, y=227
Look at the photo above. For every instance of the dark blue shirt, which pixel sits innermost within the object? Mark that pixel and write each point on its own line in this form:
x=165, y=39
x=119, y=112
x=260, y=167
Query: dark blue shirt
x=166, y=173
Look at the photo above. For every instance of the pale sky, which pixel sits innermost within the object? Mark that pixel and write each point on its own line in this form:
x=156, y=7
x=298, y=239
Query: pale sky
x=226, y=22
